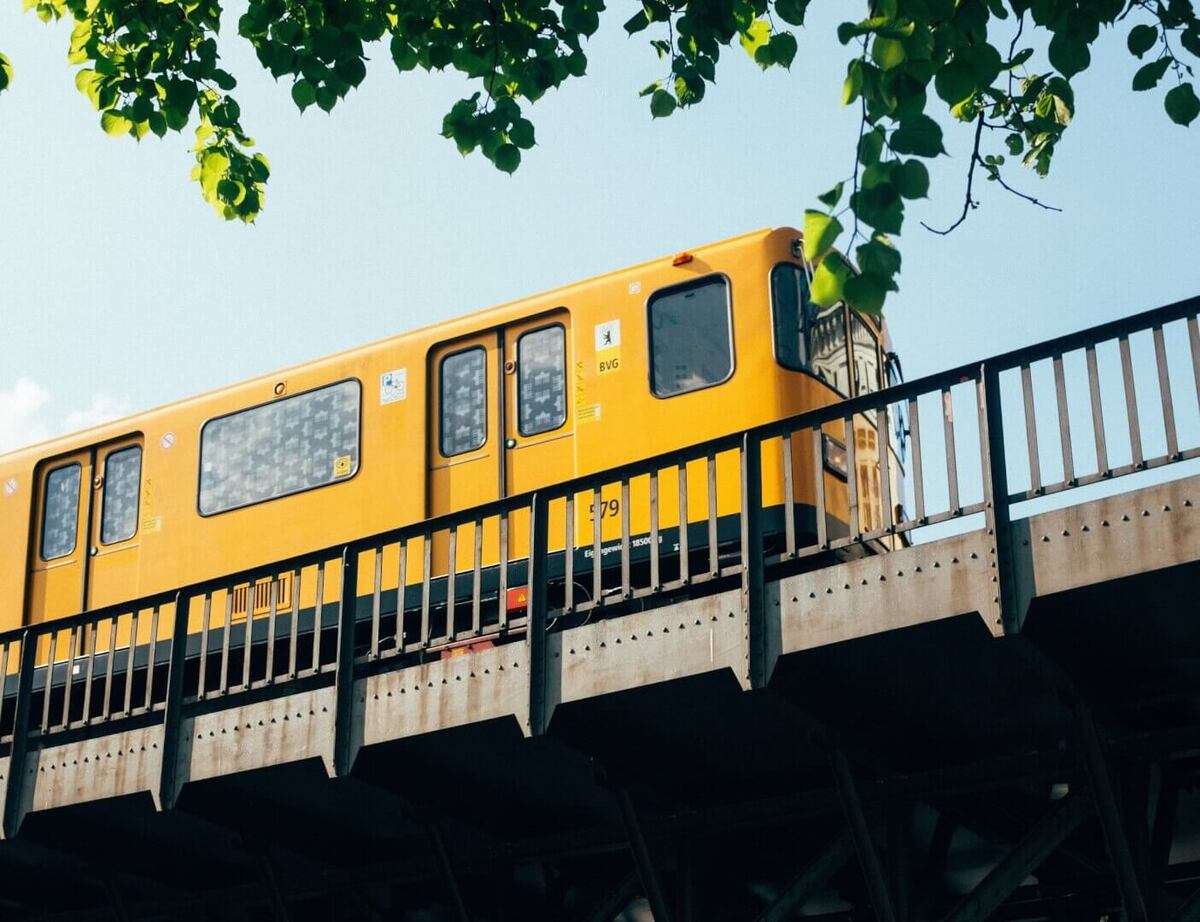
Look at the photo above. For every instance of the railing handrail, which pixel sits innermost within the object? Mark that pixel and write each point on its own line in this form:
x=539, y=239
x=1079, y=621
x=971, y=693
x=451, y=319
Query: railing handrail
x=809, y=419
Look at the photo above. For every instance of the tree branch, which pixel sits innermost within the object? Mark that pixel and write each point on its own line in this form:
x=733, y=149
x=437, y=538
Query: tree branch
x=1022, y=195
x=970, y=202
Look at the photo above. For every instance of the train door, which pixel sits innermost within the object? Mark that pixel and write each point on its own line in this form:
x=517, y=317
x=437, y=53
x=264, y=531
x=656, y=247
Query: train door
x=538, y=438
x=85, y=544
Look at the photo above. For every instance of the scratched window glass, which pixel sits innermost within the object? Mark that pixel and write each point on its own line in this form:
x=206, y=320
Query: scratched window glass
x=542, y=380
x=463, y=402
x=122, y=476
x=280, y=448
x=690, y=344
x=60, y=512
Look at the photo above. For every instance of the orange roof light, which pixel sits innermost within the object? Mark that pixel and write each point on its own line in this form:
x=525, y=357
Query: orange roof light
x=681, y=259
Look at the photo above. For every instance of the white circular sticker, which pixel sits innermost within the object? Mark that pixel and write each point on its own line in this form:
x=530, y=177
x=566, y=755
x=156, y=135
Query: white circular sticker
x=167, y=440
x=10, y=487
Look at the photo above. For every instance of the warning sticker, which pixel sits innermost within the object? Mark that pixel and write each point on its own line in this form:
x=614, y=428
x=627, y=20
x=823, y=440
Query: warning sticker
x=341, y=466
x=588, y=414
x=393, y=386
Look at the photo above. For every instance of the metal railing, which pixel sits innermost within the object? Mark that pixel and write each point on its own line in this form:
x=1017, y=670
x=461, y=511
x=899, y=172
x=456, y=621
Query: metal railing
x=392, y=599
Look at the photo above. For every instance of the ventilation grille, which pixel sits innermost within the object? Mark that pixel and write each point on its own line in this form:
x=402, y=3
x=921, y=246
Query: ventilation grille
x=262, y=596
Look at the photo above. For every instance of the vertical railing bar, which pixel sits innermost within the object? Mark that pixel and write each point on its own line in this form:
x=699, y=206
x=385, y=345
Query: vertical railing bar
x=223, y=685
x=376, y=592
x=655, y=573
x=1164, y=389
x=451, y=583
x=248, y=637
x=294, y=626
x=626, y=587
x=401, y=587
x=569, y=555
x=131, y=661
x=4, y=648
x=1064, y=421
x=205, y=623
x=48, y=687
x=951, y=453
x=1194, y=341
x=597, y=547
x=93, y=630
x=72, y=650
x=1131, y=408
x=319, y=615
x=789, y=496
x=272, y=615
x=477, y=580
x=502, y=596
x=150, y=657
x=108, y=670
x=1031, y=435
x=818, y=447
x=426, y=566
x=714, y=563
x=852, y=477
x=684, y=561
x=914, y=434
x=887, y=516
x=1097, y=412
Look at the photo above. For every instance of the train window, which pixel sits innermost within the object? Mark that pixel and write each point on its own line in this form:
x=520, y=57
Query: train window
x=827, y=348
x=122, y=481
x=464, y=402
x=790, y=308
x=865, y=349
x=60, y=511
x=690, y=342
x=280, y=448
x=542, y=380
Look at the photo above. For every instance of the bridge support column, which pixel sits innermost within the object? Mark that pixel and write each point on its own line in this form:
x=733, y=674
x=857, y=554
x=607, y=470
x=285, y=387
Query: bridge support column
x=540, y=706
x=760, y=612
x=860, y=832
x=177, y=735
x=347, y=731
x=1037, y=845
x=827, y=862
x=641, y=855
x=17, y=788
x=458, y=908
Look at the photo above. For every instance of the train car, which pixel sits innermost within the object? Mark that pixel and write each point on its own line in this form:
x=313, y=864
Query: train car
x=575, y=381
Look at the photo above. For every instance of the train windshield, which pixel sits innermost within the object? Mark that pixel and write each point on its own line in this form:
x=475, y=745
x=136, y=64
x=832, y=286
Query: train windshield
x=808, y=338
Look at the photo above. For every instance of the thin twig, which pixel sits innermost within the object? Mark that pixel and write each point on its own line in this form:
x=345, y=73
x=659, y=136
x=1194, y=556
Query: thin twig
x=862, y=130
x=970, y=202
x=1028, y=198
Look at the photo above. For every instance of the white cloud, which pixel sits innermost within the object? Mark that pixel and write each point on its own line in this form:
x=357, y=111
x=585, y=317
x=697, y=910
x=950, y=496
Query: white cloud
x=26, y=417
x=22, y=421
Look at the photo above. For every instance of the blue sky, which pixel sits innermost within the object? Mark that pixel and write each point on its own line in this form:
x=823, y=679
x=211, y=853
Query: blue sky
x=120, y=290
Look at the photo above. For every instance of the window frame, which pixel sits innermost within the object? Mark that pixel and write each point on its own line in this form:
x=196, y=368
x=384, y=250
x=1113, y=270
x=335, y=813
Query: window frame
x=441, y=365
x=845, y=312
x=806, y=367
x=138, y=494
x=42, y=524
x=258, y=502
x=565, y=413
x=683, y=286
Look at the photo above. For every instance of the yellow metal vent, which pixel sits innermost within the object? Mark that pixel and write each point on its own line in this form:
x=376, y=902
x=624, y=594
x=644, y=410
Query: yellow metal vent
x=262, y=596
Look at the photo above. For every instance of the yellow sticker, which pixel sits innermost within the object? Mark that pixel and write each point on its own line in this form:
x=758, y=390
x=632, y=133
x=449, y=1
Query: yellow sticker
x=608, y=360
x=341, y=466
x=590, y=413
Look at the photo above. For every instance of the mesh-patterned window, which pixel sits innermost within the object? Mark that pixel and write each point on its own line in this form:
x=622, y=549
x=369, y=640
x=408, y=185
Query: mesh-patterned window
x=464, y=402
x=690, y=345
x=542, y=379
x=122, y=480
x=60, y=512
x=790, y=309
x=280, y=448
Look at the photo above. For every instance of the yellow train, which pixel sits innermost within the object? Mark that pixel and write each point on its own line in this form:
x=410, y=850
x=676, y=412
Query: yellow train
x=625, y=366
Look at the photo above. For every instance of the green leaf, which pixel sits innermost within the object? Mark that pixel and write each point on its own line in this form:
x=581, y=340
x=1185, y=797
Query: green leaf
x=755, y=36
x=1182, y=105
x=637, y=22
x=326, y=97
x=829, y=279
x=521, y=134
x=820, y=232
x=1189, y=38
x=6, y=72
x=955, y=82
x=870, y=148
x=783, y=48
x=913, y=179
x=918, y=135
x=1019, y=58
x=649, y=90
x=1141, y=39
x=1015, y=143
x=878, y=257
x=304, y=94
x=866, y=292
x=1148, y=75
x=791, y=11
x=1068, y=54
x=853, y=84
x=507, y=158
x=888, y=53
x=351, y=70
x=662, y=104
x=832, y=197
x=114, y=124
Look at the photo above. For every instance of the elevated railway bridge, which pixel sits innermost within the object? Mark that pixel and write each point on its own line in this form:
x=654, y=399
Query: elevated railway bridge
x=983, y=707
